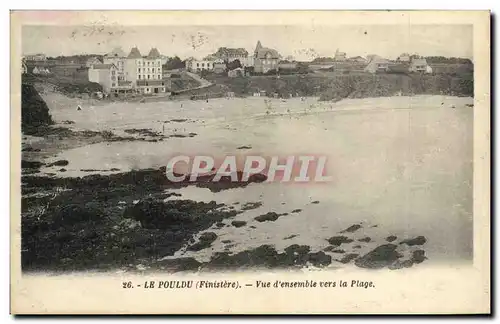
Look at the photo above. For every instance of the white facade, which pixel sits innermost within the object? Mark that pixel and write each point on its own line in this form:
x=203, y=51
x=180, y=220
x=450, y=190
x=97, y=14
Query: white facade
x=194, y=65
x=104, y=74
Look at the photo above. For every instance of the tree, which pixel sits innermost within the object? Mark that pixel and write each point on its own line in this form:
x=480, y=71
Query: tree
x=174, y=63
x=233, y=65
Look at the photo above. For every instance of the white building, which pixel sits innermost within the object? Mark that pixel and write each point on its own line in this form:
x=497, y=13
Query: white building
x=117, y=58
x=35, y=57
x=194, y=65
x=104, y=74
x=145, y=72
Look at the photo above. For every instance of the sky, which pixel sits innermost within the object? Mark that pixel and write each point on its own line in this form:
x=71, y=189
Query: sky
x=300, y=41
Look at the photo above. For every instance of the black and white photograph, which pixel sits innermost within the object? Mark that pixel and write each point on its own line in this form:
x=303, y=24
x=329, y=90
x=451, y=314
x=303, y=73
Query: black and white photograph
x=205, y=149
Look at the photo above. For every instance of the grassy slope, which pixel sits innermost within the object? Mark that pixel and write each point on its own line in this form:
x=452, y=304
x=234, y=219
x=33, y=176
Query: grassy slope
x=330, y=86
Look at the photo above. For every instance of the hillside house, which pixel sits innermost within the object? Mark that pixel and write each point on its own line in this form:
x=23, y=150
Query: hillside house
x=35, y=57
x=194, y=65
x=40, y=70
x=420, y=66
x=405, y=57
x=340, y=56
x=104, y=74
x=91, y=61
x=219, y=66
x=265, y=59
x=231, y=54
x=116, y=57
x=377, y=64
x=236, y=73
x=287, y=65
x=357, y=59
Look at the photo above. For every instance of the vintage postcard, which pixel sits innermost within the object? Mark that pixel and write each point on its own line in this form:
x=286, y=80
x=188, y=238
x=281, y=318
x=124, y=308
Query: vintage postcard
x=250, y=162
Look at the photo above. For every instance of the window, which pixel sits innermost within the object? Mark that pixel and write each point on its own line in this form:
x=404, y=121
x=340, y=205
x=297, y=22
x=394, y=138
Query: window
x=202, y=64
x=139, y=76
x=113, y=84
x=197, y=64
x=139, y=70
x=148, y=76
x=159, y=77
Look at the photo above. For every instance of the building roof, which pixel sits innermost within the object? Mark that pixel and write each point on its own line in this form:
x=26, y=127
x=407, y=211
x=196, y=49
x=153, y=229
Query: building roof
x=154, y=54
x=103, y=66
x=226, y=51
x=116, y=52
x=264, y=51
x=419, y=62
x=94, y=59
x=258, y=47
x=134, y=53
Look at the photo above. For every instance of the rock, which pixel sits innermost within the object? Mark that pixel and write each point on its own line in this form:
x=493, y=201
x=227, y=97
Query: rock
x=357, y=247
x=179, y=264
x=315, y=202
x=59, y=163
x=319, y=259
x=365, y=239
x=380, y=257
x=219, y=224
x=298, y=210
x=244, y=147
x=71, y=214
x=238, y=223
x=226, y=241
x=251, y=205
x=391, y=238
x=348, y=257
x=401, y=264
x=338, y=251
x=338, y=240
x=205, y=240
x=251, y=226
x=329, y=248
x=418, y=256
x=291, y=236
x=351, y=229
x=270, y=217
x=297, y=249
x=420, y=240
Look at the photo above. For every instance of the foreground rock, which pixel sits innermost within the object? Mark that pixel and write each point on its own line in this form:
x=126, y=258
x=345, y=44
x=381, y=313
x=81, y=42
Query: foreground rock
x=266, y=256
x=382, y=256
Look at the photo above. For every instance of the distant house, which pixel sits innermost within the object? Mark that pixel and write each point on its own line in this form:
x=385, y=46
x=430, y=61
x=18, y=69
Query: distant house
x=194, y=65
x=340, y=56
x=117, y=57
x=265, y=59
x=236, y=73
x=232, y=54
x=287, y=65
x=219, y=66
x=40, y=70
x=419, y=65
x=104, y=74
x=91, y=61
x=35, y=57
x=377, y=64
x=357, y=59
x=405, y=57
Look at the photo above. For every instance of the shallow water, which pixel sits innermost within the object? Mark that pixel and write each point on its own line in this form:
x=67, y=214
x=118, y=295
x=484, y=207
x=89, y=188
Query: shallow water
x=402, y=163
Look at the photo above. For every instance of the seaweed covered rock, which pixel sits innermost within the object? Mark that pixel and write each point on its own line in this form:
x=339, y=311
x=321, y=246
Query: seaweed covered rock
x=176, y=214
x=380, y=257
x=72, y=214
